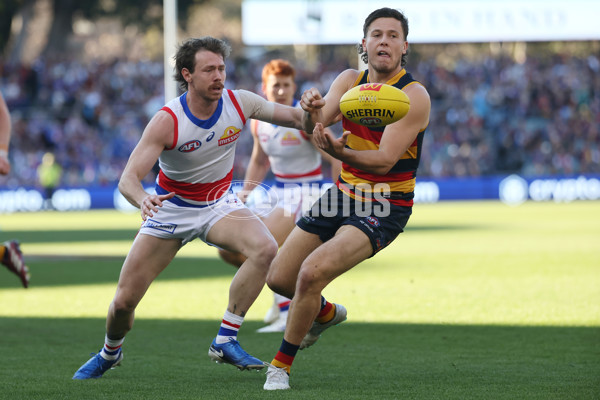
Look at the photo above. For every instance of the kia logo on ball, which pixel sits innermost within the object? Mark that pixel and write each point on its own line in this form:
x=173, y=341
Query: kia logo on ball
x=371, y=86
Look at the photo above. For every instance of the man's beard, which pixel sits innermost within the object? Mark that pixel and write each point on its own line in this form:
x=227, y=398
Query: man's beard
x=385, y=69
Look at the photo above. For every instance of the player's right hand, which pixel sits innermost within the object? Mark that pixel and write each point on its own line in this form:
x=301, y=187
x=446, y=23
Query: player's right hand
x=243, y=195
x=311, y=100
x=151, y=203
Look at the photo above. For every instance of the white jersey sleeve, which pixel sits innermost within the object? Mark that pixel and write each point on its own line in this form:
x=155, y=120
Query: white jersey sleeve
x=255, y=106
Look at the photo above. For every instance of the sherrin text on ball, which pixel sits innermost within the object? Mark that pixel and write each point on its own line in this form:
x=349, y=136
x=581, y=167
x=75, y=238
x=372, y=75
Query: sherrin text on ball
x=374, y=104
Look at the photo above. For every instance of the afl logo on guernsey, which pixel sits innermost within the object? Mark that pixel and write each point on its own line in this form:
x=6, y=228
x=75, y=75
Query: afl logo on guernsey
x=229, y=136
x=190, y=146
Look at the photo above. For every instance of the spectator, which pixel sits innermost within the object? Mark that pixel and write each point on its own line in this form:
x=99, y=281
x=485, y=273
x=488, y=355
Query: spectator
x=49, y=175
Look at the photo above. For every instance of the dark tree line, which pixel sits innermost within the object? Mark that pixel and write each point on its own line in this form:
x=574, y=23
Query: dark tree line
x=143, y=13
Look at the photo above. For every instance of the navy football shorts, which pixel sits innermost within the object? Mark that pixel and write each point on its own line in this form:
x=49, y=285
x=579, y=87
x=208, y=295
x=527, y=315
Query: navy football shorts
x=381, y=221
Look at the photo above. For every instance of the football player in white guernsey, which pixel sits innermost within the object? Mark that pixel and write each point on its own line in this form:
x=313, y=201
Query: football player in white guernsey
x=193, y=138
x=296, y=164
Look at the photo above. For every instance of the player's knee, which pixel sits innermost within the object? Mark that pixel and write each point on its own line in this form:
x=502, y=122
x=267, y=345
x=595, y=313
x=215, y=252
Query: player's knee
x=278, y=281
x=276, y=284
x=309, y=280
x=123, y=306
x=265, y=252
x=281, y=287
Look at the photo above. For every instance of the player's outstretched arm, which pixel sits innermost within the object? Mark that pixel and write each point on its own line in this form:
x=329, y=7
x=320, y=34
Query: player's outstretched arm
x=257, y=107
x=325, y=110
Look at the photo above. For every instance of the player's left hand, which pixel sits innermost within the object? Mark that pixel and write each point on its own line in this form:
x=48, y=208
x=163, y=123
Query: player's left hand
x=328, y=143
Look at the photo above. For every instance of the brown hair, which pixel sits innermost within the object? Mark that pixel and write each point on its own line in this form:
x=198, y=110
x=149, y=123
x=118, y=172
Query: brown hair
x=186, y=55
x=384, y=12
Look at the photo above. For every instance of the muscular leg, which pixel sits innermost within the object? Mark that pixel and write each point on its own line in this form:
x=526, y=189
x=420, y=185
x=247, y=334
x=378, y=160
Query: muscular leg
x=280, y=226
x=286, y=265
x=346, y=249
x=148, y=257
x=243, y=232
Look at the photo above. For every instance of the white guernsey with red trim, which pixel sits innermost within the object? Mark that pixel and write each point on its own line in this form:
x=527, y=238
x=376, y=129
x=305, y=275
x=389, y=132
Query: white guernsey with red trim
x=198, y=167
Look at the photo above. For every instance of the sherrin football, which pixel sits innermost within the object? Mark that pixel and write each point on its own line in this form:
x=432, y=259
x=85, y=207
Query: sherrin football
x=374, y=104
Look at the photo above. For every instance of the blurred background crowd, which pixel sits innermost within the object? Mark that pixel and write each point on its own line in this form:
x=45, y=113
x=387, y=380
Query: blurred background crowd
x=492, y=115
x=82, y=83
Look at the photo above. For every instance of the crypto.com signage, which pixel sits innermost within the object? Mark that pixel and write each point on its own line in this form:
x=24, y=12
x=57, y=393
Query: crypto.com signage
x=284, y=22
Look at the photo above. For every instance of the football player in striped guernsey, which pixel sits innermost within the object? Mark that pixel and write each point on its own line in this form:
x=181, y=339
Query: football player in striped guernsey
x=296, y=164
x=371, y=202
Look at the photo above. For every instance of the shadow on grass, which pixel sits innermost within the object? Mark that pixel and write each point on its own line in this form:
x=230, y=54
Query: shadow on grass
x=417, y=227
x=166, y=359
x=90, y=235
x=64, y=271
x=79, y=235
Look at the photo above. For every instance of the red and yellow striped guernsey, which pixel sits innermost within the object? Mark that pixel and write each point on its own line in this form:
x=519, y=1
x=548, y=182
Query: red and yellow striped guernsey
x=400, y=180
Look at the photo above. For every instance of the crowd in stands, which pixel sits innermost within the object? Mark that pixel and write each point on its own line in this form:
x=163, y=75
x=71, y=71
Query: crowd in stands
x=538, y=117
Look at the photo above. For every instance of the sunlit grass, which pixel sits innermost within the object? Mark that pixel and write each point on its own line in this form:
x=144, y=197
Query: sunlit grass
x=476, y=263
x=475, y=300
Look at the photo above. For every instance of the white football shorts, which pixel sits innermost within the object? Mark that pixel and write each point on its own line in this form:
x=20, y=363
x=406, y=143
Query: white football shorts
x=188, y=223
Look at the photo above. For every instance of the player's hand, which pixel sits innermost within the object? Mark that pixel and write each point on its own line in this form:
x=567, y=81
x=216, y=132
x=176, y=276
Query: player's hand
x=328, y=143
x=312, y=100
x=243, y=195
x=151, y=203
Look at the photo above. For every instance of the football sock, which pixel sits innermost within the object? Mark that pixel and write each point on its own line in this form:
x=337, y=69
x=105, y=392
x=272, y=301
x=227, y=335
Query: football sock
x=229, y=327
x=112, y=348
x=327, y=311
x=285, y=356
x=282, y=302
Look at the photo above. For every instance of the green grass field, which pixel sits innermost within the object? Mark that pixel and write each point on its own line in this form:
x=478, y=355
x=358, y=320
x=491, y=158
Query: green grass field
x=474, y=301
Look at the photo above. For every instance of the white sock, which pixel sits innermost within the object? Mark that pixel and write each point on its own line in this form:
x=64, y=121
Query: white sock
x=112, y=348
x=230, y=325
